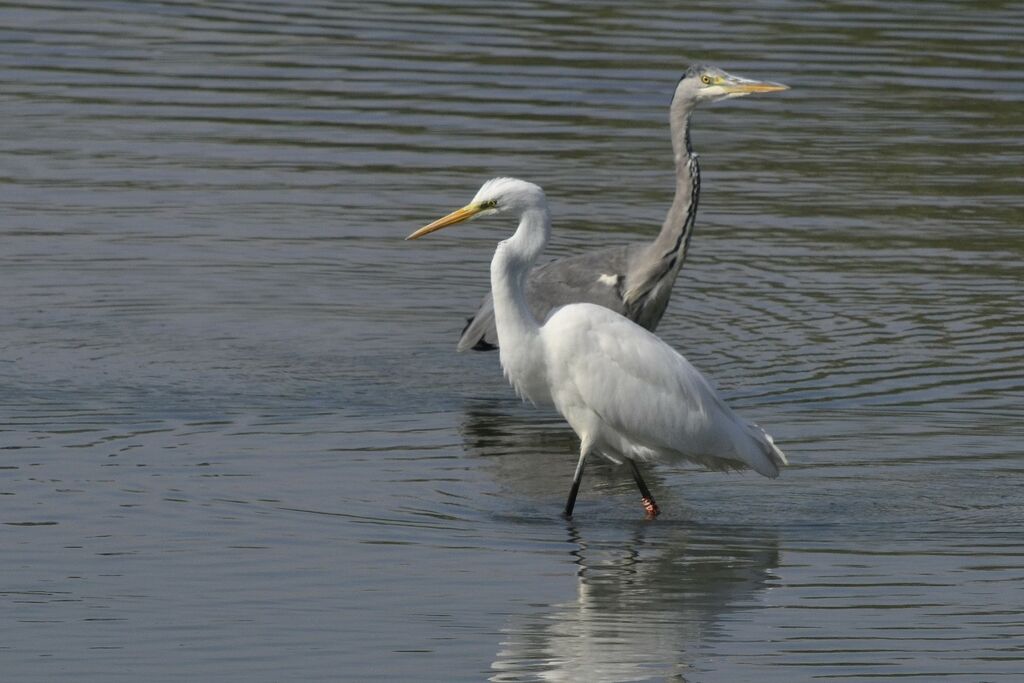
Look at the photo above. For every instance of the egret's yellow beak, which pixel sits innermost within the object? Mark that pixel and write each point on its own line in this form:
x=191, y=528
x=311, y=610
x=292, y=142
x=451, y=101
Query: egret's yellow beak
x=745, y=86
x=457, y=216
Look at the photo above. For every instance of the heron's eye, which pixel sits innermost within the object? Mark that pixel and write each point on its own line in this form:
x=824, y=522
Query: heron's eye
x=489, y=204
x=706, y=80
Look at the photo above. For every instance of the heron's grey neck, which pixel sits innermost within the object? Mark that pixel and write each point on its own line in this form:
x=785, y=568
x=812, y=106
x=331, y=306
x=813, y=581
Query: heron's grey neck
x=663, y=258
x=674, y=239
x=512, y=262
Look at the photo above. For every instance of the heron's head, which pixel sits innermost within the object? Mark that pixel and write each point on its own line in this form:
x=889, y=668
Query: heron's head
x=703, y=83
x=495, y=196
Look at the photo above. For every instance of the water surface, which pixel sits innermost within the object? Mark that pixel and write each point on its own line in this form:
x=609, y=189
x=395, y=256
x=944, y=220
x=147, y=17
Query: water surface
x=237, y=442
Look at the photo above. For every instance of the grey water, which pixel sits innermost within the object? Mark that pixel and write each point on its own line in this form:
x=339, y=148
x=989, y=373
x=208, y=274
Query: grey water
x=237, y=444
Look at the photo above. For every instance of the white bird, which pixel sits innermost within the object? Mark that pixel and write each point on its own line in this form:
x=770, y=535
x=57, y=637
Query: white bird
x=628, y=395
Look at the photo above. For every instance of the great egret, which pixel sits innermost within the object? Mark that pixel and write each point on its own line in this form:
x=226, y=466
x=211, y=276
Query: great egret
x=628, y=395
x=633, y=279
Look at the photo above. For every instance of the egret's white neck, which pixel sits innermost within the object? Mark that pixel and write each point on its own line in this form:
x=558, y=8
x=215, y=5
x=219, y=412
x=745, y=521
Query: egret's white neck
x=518, y=330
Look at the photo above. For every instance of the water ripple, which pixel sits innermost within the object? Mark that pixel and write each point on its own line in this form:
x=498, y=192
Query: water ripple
x=233, y=423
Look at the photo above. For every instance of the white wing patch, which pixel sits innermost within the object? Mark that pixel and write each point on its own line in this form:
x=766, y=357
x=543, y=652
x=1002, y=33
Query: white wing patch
x=606, y=279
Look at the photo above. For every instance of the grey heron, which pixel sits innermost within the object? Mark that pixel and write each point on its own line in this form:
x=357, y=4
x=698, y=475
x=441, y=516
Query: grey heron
x=633, y=279
x=627, y=394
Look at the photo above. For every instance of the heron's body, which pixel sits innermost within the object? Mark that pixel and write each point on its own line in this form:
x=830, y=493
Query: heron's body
x=628, y=396
x=634, y=280
x=601, y=277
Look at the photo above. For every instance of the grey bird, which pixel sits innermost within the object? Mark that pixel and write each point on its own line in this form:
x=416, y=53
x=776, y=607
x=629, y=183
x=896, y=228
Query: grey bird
x=634, y=280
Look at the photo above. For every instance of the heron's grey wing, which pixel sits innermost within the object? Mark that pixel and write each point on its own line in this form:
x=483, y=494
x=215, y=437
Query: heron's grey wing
x=479, y=333
x=595, y=277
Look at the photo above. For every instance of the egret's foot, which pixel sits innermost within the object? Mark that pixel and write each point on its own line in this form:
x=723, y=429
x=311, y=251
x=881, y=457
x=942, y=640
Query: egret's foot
x=651, y=508
x=645, y=493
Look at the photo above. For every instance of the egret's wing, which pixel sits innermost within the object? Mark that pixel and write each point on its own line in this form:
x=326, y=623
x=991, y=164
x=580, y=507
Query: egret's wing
x=638, y=384
x=594, y=277
x=647, y=392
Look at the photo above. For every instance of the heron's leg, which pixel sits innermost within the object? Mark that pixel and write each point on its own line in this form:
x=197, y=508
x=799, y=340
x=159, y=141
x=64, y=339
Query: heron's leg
x=649, y=505
x=576, y=479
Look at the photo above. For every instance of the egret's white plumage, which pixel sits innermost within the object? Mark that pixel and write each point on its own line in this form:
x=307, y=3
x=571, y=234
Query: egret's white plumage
x=628, y=395
x=632, y=395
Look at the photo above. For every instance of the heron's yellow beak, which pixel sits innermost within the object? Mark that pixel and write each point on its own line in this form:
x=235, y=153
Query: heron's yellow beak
x=745, y=87
x=463, y=214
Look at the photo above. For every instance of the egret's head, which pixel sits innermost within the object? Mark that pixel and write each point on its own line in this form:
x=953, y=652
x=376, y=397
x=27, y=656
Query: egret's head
x=703, y=83
x=495, y=196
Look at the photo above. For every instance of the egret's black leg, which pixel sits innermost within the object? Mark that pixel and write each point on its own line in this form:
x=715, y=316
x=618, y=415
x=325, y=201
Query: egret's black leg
x=648, y=500
x=576, y=479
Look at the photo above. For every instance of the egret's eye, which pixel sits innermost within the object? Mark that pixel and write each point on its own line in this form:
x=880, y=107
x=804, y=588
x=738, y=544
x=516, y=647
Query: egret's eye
x=489, y=204
x=706, y=80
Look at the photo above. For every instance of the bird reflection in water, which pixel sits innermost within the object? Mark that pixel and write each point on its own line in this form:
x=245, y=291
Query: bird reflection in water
x=648, y=600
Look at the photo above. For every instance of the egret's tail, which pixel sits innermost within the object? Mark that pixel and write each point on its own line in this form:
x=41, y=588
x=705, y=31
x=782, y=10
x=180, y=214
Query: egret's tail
x=776, y=454
x=773, y=456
